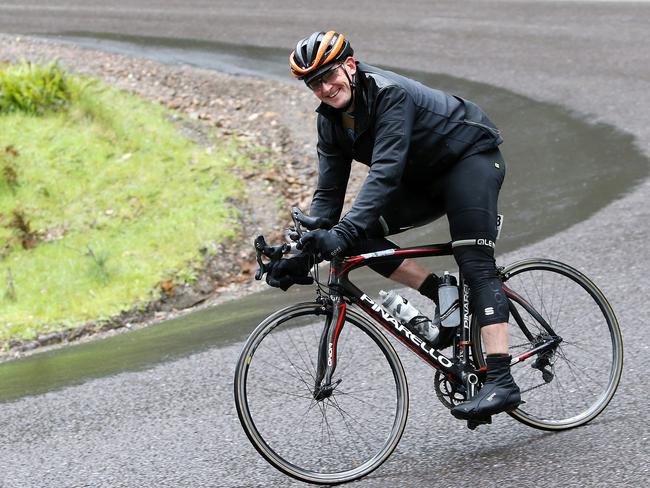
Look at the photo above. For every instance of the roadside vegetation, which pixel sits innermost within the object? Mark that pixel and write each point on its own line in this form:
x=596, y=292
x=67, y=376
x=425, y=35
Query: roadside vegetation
x=103, y=203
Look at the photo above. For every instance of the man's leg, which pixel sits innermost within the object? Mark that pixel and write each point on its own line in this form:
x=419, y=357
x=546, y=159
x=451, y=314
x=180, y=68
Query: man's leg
x=471, y=194
x=407, y=271
x=410, y=273
x=495, y=338
x=410, y=207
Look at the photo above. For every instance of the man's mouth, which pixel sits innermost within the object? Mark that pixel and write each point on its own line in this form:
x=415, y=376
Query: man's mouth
x=335, y=94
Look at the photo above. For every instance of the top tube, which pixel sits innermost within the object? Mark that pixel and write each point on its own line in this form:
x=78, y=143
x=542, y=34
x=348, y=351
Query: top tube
x=345, y=265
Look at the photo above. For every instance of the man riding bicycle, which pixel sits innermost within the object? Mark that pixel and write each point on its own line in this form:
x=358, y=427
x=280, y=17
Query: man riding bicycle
x=430, y=154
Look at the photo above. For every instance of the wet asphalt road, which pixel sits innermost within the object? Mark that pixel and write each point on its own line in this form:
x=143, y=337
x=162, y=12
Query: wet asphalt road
x=175, y=424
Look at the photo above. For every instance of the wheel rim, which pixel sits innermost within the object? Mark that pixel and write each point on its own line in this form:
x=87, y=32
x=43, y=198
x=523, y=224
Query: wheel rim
x=340, y=438
x=585, y=366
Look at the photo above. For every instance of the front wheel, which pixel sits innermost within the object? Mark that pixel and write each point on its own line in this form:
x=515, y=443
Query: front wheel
x=331, y=440
x=571, y=383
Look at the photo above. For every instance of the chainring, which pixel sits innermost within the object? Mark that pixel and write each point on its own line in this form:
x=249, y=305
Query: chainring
x=448, y=393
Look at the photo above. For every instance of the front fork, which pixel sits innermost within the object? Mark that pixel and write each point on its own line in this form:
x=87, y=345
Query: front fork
x=323, y=386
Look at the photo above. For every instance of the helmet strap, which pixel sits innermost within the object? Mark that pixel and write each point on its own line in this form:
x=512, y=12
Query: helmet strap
x=353, y=88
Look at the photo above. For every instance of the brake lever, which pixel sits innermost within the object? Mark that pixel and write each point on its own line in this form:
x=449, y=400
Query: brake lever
x=308, y=222
x=295, y=212
x=260, y=243
x=271, y=252
x=276, y=253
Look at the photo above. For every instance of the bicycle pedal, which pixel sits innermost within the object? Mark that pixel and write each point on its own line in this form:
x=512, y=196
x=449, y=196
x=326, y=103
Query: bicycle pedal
x=472, y=424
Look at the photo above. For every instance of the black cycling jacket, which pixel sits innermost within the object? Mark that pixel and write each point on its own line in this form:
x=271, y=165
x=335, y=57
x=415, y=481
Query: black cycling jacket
x=406, y=133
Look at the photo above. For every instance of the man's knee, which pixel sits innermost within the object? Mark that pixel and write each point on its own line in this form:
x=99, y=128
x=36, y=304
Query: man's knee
x=487, y=297
x=476, y=262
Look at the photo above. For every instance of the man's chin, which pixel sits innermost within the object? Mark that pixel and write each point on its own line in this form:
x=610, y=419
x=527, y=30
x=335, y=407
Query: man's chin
x=336, y=103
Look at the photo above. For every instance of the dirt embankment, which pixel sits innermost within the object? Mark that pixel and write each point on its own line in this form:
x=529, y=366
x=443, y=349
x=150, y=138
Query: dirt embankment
x=274, y=123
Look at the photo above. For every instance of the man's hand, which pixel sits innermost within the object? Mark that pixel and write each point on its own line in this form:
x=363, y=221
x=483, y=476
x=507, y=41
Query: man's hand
x=313, y=222
x=287, y=272
x=323, y=243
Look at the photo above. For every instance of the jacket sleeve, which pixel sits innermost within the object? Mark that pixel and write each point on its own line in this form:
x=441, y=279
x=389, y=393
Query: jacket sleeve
x=394, y=116
x=333, y=175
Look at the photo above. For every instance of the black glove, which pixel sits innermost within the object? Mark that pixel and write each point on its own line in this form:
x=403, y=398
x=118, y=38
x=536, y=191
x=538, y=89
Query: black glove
x=286, y=272
x=323, y=243
x=311, y=222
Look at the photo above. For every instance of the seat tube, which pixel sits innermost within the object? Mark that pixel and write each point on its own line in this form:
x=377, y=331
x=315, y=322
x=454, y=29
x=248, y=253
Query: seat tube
x=470, y=380
x=465, y=332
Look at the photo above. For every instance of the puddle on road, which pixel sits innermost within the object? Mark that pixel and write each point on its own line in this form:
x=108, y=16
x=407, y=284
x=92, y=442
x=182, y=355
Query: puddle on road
x=560, y=170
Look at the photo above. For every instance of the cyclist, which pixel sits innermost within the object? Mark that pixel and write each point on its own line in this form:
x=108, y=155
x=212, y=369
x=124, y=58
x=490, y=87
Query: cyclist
x=429, y=154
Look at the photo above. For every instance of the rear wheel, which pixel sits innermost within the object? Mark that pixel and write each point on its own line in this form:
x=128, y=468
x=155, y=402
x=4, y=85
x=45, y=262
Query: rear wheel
x=572, y=383
x=332, y=440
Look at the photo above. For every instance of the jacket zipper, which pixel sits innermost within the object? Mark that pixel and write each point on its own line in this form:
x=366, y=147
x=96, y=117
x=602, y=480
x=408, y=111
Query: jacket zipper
x=493, y=131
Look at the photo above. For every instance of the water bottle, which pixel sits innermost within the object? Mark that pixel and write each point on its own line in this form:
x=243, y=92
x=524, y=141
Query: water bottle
x=448, y=298
x=408, y=315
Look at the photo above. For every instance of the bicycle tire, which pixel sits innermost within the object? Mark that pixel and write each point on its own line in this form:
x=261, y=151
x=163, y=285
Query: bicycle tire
x=283, y=444
x=578, y=389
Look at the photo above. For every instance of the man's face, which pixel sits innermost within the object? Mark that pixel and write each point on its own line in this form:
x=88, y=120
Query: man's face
x=333, y=88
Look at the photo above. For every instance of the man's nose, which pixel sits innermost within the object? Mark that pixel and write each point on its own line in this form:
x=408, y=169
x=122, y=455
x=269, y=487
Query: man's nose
x=327, y=86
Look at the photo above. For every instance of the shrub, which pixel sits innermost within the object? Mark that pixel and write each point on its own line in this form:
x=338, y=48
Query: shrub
x=34, y=89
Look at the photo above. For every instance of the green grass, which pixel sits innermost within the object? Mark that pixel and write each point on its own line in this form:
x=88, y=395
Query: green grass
x=100, y=201
x=34, y=89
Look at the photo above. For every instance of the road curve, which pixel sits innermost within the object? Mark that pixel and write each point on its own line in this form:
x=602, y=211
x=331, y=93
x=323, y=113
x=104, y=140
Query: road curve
x=175, y=424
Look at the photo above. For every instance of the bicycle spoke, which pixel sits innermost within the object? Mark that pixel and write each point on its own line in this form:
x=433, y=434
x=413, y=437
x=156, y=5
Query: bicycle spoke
x=362, y=390
x=576, y=370
x=288, y=358
x=582, y=349
x=346, y=421
x=331, y=433
x=298, y=377
x=351, y=428
x=282, y=392
x=309, y=353
x=299, y=353
x=353, y=397
x=563, y=295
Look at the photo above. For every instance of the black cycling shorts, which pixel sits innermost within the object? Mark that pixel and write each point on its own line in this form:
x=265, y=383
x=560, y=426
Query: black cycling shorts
x=467, y=193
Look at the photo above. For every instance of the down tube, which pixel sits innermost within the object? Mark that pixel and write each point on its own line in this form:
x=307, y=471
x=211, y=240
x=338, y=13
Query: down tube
x=419, y=346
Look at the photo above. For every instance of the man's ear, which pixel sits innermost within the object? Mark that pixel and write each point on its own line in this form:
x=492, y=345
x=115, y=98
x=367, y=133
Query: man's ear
x=351, y=65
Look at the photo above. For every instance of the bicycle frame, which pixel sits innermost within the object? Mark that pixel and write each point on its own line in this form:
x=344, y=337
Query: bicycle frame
x=460, y=370
x=342, y=290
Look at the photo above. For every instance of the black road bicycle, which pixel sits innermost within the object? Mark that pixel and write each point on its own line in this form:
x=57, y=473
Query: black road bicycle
x=322, y=394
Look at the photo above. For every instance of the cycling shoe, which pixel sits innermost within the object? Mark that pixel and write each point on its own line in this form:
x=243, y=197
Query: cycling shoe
x=500, y=393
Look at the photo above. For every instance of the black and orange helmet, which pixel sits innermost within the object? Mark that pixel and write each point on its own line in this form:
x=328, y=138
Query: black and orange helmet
x=316, y=54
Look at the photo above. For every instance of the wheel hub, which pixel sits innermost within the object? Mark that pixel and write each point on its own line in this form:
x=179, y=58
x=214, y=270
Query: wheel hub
x=325, y=391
